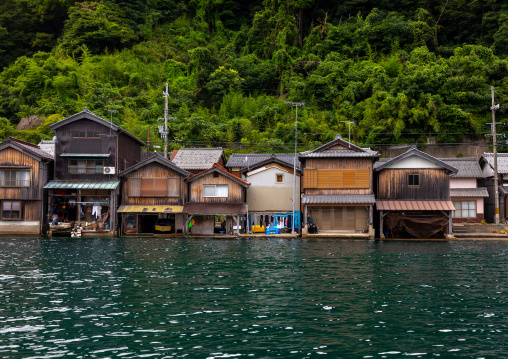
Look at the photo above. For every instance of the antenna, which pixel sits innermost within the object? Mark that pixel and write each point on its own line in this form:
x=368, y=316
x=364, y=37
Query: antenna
x=349, y=131
x=111, y=120
x=166, y=95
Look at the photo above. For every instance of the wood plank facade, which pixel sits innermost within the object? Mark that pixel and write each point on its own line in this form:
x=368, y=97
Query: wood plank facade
x=153, y=184
x=24, y=170
x=337, y=189
x=89, y=154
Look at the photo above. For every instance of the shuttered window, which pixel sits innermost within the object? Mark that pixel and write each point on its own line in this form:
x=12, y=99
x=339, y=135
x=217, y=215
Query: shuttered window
x=313, y=178
x=340, y=218
x=154, y=187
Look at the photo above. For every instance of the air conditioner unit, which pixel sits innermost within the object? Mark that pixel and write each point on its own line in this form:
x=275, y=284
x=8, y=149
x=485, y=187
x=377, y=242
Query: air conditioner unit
x=109, y=170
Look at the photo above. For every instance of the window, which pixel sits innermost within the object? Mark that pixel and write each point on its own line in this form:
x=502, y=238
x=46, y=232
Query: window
x=14, y=178
x=464, y=209
x=86, y=166
x=93, y=134
x=11, y=210
x=78, y=134
x=279, y=178
x=314, y=178
x=154, y=187
x=215, y=190
x=413, y=180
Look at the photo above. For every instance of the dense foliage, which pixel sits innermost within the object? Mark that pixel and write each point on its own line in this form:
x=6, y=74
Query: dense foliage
x=403, y=71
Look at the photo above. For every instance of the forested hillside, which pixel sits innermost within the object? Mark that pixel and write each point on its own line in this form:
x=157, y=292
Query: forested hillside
x=402, y=70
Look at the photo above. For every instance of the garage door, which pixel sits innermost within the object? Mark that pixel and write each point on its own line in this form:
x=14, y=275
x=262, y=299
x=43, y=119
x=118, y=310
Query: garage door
x=345, y=219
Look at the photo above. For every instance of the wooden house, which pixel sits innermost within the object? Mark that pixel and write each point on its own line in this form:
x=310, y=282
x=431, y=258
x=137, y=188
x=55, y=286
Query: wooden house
x=467, y=197
x=273, y=186
x=487, y=166
x=216, y=203
x=24, y=170
x=153, y=195
x=337, y=189
x=89, y=154
x=413, y=196
x=196, y=160
x=238, y=163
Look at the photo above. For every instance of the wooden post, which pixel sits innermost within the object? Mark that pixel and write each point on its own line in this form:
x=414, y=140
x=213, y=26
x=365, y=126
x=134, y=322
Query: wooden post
x=381, y=233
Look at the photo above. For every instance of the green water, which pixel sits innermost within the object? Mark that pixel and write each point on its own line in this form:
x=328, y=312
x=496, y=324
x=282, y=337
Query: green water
x=190, y=298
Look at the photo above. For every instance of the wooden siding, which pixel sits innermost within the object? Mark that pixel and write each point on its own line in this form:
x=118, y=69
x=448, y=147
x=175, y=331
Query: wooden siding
x=153, y=170
x=129, y=152
x=355, y=176
x=33, y=211
x=11, y=157
x=236, y=192
x=393, y=185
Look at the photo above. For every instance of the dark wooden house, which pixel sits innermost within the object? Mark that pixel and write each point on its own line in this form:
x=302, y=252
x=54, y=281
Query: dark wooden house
x=337, y=189
x=487, y=166
x=89, y=154
x=413, y=196
x=24, y=170
x=153, y=195
x=216, y=203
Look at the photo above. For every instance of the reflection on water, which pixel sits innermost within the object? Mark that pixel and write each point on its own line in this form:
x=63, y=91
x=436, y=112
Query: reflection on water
x=176, y=298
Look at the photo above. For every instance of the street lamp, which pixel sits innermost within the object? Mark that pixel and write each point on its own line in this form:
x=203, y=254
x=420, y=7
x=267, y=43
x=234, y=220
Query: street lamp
x=296, y=104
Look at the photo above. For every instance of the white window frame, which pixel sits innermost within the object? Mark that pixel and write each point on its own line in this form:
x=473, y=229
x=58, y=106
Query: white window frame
x=217, y=190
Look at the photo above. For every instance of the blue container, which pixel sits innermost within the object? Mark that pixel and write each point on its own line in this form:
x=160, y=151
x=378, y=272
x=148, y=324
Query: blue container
x=272, y=230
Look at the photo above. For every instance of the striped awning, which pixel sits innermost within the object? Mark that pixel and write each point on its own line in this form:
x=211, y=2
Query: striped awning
x=82, y=185
x=415, y=205
x=150, y=209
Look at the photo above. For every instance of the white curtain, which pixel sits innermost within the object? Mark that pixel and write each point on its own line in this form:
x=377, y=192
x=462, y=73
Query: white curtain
x=221, y=190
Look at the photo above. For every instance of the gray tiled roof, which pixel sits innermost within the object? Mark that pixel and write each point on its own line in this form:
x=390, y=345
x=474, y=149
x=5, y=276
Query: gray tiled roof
x=198, y=158
x=36, y=150
x=413, y=151
x=338, y=199
x=467, y=167
x=469, y=192
x=340, y=153
x=502, y=161
x=239, y=160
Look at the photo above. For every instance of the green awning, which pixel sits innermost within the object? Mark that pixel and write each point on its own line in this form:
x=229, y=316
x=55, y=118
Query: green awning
x=85, y=155
x=82, y=185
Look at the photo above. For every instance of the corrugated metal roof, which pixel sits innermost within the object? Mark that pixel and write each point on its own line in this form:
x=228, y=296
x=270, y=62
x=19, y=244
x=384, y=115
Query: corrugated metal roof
x=502, y=161
x=467, y=167
x=150, y=209
x=82, y=185
x=469, y=192
x=340, y=153
x=86, y=155
x=197, y=158
x=251, y=159
x=339, y=199
x=414, y=205
x=218, y=209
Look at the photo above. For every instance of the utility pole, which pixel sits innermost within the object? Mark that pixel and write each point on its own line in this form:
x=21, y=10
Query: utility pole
x=111, y=112
x=296, y=104
x=166, y=95
x=494, y=138
x=349, y=131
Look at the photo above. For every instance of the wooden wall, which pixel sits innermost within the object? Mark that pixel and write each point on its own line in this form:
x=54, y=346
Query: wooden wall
x=150, y=171
x=338, y=164
x=393, y=185
x=33, y=211
x=236, y=192
x=12, y=157
x=129, y=152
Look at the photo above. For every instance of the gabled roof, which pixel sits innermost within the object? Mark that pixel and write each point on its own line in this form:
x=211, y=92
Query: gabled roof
x=218, y=168
x=89, y=115
x=198, y=158
x=255, y=160
x=502, y=161
x=350, y=150
x=155, y=158
x=413, y=151
x=271, y=160
x=26, y=147
x=467, y=167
